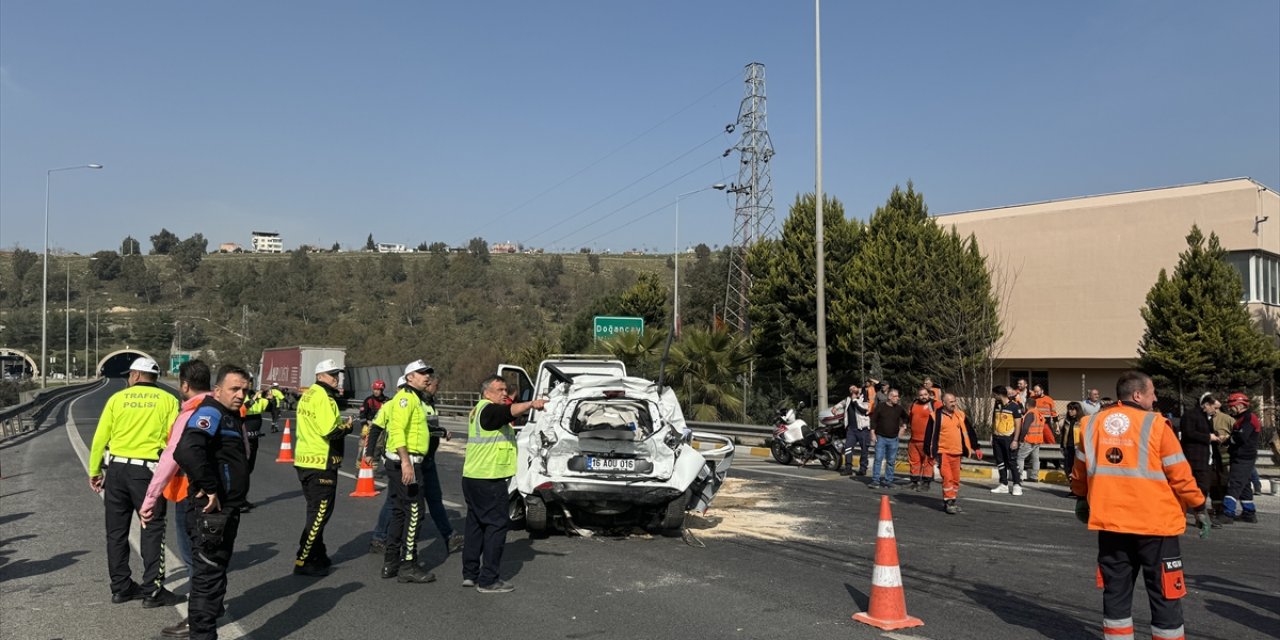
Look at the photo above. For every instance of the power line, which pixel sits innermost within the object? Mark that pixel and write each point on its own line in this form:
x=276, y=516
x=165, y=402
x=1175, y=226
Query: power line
x=611, y=213
x=628, y=186
x=612, y=153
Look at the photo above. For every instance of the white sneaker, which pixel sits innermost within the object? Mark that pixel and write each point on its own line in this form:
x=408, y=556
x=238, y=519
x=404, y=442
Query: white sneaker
x=1000, y=489
x=1017, y=490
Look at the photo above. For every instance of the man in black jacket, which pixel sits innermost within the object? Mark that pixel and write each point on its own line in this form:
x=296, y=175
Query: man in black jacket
x=213, y=452
x=1197, y=438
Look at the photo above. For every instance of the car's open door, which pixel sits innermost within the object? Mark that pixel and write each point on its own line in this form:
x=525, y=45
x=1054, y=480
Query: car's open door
x=519, y=386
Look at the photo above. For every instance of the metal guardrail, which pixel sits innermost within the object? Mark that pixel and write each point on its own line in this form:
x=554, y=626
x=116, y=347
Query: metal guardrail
x=28, y=416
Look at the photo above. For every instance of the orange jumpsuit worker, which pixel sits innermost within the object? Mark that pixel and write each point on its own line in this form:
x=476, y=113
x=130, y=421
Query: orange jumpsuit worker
x=920, y=414
x=949, y=438
x=1137, y=487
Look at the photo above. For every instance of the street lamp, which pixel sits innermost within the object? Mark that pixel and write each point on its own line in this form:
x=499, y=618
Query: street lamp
x=44, y=297
x=68, y=327
x=675, y=303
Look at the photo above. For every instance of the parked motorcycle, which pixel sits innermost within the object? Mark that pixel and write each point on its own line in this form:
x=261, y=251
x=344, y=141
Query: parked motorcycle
x=795, y=441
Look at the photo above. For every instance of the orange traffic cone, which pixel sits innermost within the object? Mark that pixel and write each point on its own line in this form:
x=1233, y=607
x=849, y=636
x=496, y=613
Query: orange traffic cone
x=364, y=482
x=888, y=608
x=286, y=445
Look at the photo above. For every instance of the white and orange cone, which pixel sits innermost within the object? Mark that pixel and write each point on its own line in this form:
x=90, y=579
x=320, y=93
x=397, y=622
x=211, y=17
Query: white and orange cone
x=286, y=445
x=364, y=482
x=888, y=608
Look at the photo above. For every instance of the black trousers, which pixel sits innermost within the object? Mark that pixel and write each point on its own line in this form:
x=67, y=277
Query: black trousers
x=253, y=451
x=486, y=529
x=1068, y=458
x=407, y=509
x=1120, y=557
x=1006, y=460
x=319, y=487
x=209, y=577
x=123, y=490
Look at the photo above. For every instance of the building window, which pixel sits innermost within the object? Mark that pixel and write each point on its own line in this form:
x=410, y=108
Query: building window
x=1260, y=273
x=1033, y=378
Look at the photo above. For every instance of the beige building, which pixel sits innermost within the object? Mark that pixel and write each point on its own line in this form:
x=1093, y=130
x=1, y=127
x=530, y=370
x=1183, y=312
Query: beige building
x=1074, y=274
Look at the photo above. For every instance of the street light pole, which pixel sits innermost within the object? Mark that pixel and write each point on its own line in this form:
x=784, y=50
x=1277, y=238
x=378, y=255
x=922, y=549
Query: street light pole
x=675, y=301
x=820, y=247
x=44, y=295
x=67, y=360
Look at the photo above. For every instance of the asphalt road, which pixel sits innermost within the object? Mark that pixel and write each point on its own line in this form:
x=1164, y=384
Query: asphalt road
x=784, y=551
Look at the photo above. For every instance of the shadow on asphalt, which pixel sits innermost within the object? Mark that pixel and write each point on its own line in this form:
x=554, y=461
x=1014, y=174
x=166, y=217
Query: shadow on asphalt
x=516, y=554
x=1016, y=610
x=861, y=601
x=1270, y=627
x=14, y=517
x=931, y=500
x=276, y=498
x=256, y=554
x=5, y=551
x=27, y=568
x=304, y=609
x=1237, y=591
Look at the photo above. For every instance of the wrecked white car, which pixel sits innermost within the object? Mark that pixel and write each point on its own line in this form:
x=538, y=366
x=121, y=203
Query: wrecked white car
x=609, y=451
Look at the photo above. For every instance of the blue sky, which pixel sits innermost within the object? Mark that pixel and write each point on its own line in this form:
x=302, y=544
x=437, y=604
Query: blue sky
x=538, y=122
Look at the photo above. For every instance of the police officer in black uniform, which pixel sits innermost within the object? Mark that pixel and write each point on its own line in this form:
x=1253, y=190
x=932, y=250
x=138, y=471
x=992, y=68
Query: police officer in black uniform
x=213, y=452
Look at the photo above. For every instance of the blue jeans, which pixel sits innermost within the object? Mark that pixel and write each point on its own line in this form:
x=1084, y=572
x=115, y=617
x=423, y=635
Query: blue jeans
x=435, y=504
x=180, y=530
x=887, y=452
x=435, y=498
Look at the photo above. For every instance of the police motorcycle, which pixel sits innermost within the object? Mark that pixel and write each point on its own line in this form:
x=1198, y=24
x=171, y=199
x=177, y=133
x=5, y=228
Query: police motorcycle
x=795, y=441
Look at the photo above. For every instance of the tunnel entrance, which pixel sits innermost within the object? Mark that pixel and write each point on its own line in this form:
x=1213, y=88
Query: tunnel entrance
x=116, y=365
x=17, y=365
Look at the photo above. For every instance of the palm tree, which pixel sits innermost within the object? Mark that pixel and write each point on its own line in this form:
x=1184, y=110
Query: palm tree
x=704, y=370
x=640, y=352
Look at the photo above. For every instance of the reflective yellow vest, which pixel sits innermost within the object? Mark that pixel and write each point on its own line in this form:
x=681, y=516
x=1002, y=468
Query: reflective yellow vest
x=490, y=454
x=134, y=424
x=407, y=424
x=318, y=419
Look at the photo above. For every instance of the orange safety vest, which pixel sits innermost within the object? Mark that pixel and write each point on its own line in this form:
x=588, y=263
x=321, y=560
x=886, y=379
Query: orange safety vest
x=953, y=438
x=1134, y=474
x=920, y=415
x=1035, y=433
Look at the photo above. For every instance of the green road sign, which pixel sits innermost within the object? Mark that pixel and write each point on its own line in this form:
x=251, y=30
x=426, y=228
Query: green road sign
x=176, y=360
x=607, y=326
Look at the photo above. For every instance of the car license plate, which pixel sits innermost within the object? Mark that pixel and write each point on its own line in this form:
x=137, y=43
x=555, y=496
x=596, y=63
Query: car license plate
x=610, y=464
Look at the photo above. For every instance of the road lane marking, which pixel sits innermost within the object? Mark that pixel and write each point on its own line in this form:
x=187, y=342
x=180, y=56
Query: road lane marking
x=1019, y=505
x=231, y=629
x=382, y=485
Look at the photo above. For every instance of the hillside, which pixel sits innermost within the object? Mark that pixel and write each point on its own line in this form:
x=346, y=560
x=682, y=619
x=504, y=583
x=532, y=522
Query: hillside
x=461, y=312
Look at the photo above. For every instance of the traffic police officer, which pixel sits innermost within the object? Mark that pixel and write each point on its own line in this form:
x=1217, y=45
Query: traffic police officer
x=317, y=458
x=254, y=406
x=1137, y=487
x=133, y=428
x=407, y=445
x=489, y=464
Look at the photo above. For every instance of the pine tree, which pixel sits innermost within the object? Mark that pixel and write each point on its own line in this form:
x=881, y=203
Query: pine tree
x=784, y=303
x=369, y=244
x=916, y=295
x=1199, y=337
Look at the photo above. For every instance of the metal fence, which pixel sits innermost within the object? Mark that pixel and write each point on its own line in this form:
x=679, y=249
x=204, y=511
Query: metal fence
x=28, y=416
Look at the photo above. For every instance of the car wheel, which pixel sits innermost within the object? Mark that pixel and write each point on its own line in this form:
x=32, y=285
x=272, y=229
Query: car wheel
x=673, y=516
x=535, y=516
